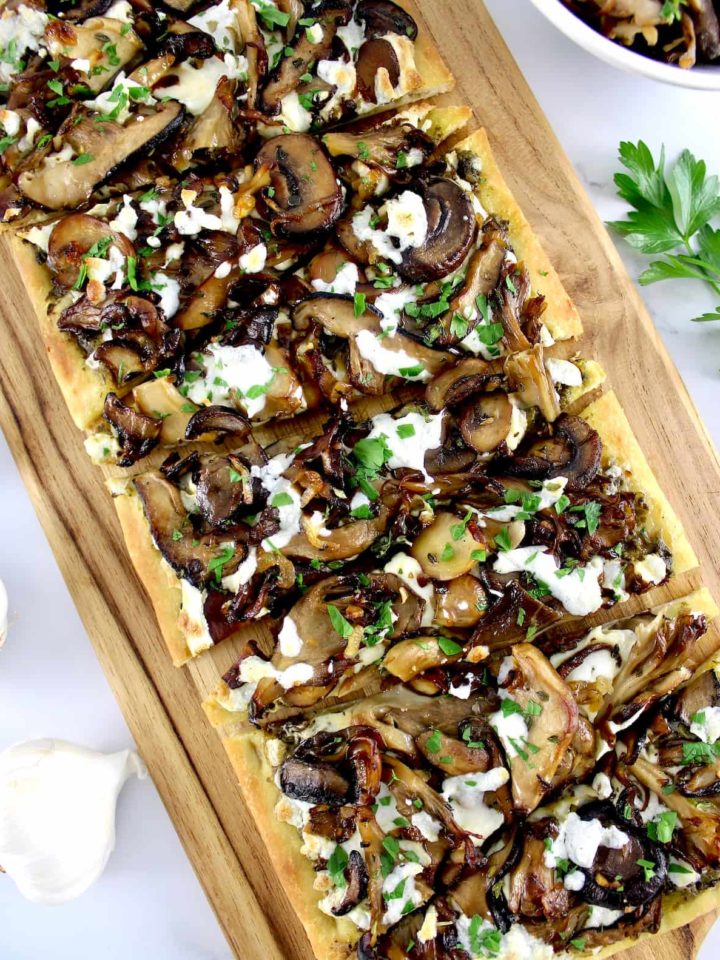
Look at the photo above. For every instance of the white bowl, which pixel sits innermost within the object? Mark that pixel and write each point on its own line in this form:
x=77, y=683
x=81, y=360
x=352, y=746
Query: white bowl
x=698, y=78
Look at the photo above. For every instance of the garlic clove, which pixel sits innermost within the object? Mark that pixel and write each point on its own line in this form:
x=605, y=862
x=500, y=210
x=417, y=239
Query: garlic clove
x=3, y=613
x=57, y=815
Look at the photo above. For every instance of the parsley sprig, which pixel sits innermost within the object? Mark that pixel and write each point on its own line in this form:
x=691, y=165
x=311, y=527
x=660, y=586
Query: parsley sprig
x=672, y=216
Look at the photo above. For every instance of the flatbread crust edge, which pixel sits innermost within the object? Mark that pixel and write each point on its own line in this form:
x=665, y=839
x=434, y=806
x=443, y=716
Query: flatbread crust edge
x=330, y=938
x=435, y=77
x=619, y=445
x=158, y=580
x=560, y=316
x=83, y=389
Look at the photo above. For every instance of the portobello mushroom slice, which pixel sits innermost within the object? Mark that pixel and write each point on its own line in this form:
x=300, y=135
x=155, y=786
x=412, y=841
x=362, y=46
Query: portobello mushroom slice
x=452, y=227
x=136, y=432
x=305, y=195
x=551, y=717
x=59, y=183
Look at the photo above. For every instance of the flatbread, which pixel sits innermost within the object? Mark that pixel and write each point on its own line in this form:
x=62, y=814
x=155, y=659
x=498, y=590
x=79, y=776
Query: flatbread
x=620, y=447
x=560, y=316
x=83, y=389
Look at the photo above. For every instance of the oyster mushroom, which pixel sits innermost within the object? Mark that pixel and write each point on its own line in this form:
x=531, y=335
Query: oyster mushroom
x=504, y=624
x=305, y=195
x=64, y=184
x=137, y=433
x=356, y=884
x=379, y=147
x=224, y=485
x=527, y=373
x=451, y=230
x=550, y=731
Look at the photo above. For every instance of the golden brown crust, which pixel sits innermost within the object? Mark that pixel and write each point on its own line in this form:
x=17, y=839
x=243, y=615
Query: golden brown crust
x=620, y=446
x=331, y=939
x=158, y=579
x=83, y=389
x=560, y=316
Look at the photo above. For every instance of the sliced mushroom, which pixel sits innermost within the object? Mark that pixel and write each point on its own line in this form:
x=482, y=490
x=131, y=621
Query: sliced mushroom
x=71, y=240
x=217, y=419
x=550, y=732
x=224, y=485
x=460, y=603
x=451, y=230
x=102, y=41
x=305, y=196
x=64, y=184
x=374, y=56
x=379, y=147
x=702, y=693
x=313, y=783
x=449, y=547
x=188, y=552
x=505, y=624
x=137, y=433
x=463, y=380
x=382, y=17
x=574, y=451
x=528, y=374
x=127, y=356
x=295, y=62
x=487, y=422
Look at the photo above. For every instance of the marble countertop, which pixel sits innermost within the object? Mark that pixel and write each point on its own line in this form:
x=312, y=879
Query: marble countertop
x=148, y=903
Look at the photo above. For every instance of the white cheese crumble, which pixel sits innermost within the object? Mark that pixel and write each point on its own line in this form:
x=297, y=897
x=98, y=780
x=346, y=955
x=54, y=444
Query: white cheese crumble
x=293, y=114
x=397, y=363
x=408, y=569
x=240, y=373
x=409, y=451
x=345, y=282
x=289, y=640
x=652, y=569
x=254, y=669
x=289, y=513
x=243, y=574
x=705, y=724
x=21, y=31
x=126, y=219
x=194, y=87
x=465, y=794
x=564, y=372
x=221, y=22
x=102, y=447
x=407, y=226
x=192, y=219
x=578, y=590
x=550, y=492
x=254, y=260
x=579, y=840
x=602, y=917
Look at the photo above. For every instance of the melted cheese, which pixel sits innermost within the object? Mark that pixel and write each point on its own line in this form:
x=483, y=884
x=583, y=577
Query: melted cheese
x=409, y=451
x=578, y=591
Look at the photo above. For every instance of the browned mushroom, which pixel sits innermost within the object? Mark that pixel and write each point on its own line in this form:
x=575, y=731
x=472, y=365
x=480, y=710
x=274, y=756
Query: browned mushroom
x=217, y=419
x=380, y=147
x=374, y=56
x=104, y=42
x=224, y=485
x=136, y=432
x=463, y=380
x=382, y=17
x=505, y=624
x=550, y=731
x=73, y=238
x=451, y=231
x=449, y=547
x=63, y=184
x=295, y=63
x=487, y=422
x=528, y=374
x=305, y=195
x=573, y=451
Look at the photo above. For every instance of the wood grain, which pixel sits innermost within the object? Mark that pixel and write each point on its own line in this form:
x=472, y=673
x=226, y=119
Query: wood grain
x=161, y=704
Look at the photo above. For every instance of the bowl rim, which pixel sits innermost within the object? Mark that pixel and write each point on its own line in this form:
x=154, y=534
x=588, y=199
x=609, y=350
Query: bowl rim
x=704, y=77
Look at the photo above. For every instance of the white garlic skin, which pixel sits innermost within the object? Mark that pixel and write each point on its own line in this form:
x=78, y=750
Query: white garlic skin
x=57, y=815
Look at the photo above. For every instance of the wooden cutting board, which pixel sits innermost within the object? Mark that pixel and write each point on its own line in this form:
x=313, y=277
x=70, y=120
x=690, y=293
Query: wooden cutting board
x=162, y=704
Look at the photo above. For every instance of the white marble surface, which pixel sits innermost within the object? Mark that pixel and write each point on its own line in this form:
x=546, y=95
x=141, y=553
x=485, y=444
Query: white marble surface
x=148, y=903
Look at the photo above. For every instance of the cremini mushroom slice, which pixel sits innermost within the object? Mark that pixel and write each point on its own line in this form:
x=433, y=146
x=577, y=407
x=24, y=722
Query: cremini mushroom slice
x=450, y=232
x=463, y=380
x=305, y=195
x=58, y=183
x=450, y=547
x=487, y=422
x=74, y=238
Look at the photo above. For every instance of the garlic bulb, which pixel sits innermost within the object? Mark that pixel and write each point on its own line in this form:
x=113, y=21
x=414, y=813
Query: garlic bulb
x=57, y=815
x=3, y=613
